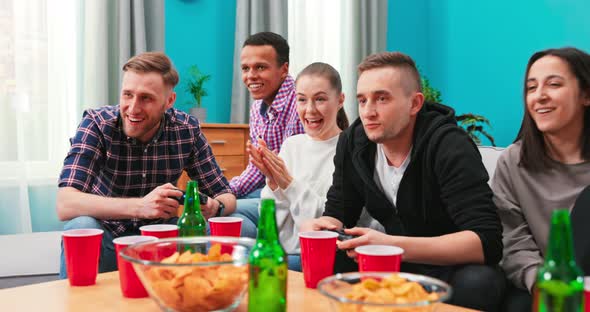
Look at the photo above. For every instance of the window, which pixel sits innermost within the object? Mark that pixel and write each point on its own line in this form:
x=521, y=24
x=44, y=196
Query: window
x=326, y=31
x=38, y=108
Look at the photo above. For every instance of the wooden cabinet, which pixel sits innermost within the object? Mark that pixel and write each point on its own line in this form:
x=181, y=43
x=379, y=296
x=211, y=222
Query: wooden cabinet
x=228, y=142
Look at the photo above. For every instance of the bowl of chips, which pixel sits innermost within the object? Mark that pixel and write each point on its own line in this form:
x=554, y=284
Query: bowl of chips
x=383, y=291
x=193, y=274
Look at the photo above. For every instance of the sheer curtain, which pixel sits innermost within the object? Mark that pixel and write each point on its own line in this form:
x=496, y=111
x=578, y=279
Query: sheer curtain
x=38, y=107
x=58, y=57
x=340, y=33
x=318, y=33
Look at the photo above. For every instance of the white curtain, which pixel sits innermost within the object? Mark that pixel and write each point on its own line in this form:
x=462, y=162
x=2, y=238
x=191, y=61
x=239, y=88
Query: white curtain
x=340, y=33
x=38, y=103
x=57, y=58
x=318, y=33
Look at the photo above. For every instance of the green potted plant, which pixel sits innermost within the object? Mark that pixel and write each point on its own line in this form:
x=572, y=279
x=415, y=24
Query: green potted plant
x=430, y=93
x=195, y=86
x=473, y=124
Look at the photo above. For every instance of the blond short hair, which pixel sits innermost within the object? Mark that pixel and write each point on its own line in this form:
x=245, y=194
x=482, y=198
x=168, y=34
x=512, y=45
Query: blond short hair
x=154, y=62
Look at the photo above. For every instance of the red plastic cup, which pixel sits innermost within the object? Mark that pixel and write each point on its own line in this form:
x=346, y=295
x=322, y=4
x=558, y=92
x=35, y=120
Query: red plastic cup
x=160, y=230
x=318, y=251
x=131, y=286
x=82, y=251
x=225, y=226
x=379, y=258
x=587, y=294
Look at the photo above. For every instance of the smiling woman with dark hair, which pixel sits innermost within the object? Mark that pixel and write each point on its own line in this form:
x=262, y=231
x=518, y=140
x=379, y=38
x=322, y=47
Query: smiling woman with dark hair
x=548, y=165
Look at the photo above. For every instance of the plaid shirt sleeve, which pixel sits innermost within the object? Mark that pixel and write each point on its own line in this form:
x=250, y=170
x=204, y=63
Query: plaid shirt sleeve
x=251, y=178
x=203, y=167
x=85, y=158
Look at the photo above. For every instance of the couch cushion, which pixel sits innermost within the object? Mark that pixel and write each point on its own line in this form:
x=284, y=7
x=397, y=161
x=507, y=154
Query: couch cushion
x=489, y=157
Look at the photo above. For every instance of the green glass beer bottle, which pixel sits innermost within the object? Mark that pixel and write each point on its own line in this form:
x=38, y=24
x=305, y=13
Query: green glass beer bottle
x=267, y=286
x=191, y=222
x=560, y=282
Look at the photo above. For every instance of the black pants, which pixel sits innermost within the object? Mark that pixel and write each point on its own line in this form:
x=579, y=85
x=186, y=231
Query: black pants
x=516, y=299
x=475, y=286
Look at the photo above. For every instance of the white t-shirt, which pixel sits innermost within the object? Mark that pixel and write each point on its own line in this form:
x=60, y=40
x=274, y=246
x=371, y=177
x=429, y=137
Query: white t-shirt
x=311, y=164
x=389, y=177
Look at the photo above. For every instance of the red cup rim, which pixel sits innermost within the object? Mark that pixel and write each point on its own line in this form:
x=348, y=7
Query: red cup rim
x=225, y=219
x=159, y=227
x=130, y=240
x=587, y=284
x=318, y=235
x=379, y=250
x=82, y=232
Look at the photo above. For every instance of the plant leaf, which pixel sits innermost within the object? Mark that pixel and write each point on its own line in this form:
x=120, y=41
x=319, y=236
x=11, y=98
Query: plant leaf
x=195, y=83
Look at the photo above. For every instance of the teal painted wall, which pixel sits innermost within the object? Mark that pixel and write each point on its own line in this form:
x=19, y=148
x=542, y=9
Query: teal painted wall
x=201, y=32
x=475, y=52
x=407, y=31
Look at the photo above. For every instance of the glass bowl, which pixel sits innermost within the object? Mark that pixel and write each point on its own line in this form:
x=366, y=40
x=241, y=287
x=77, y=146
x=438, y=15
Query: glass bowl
x=340, y=288
x=180, y=281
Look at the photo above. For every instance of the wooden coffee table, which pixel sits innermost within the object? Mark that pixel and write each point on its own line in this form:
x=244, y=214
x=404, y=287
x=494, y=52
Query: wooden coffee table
x=106, y=296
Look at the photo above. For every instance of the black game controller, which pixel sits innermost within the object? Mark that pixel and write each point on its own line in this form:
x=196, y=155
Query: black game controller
x=202, y=198
x=343, y=236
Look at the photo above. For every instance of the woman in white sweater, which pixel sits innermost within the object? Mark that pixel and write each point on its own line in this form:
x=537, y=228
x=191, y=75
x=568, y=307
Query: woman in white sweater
x=548, y=165
x=298, y=178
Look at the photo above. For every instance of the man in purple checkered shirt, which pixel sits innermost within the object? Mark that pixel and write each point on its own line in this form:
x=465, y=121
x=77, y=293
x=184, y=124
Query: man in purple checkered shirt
x=124, y=160
x=273, y=117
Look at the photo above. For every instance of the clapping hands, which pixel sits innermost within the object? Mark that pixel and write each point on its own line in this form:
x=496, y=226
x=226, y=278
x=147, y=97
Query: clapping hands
x=270, y=164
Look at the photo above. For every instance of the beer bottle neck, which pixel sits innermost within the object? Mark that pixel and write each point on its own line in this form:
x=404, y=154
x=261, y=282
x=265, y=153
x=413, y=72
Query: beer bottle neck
x=560, y=249
x=191, y=200
x=267, y=225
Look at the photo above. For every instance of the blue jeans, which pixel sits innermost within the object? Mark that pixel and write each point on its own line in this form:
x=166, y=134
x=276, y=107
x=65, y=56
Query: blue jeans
x=294, y=262
x=253, y=194
x=108, y=259
x=247, y=210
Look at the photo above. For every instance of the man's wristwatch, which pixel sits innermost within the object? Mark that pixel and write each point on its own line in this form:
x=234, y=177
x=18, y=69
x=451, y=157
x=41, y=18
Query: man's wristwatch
x=220, y=209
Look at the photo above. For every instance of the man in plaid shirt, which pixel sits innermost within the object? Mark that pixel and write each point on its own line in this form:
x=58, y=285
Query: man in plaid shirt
x=273, y=117
x=124, y=160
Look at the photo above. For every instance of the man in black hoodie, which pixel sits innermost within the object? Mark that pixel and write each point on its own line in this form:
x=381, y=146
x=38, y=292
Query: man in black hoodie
x=422, y=178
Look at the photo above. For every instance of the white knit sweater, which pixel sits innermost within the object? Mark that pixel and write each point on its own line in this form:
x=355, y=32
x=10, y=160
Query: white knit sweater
x=311, y=164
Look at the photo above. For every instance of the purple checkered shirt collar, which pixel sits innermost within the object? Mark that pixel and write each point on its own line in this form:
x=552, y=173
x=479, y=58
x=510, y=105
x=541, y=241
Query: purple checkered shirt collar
x=283, y=97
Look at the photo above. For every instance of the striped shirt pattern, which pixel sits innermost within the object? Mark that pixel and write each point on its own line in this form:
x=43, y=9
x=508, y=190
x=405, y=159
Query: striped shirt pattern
x=278, y=122
x=102, y=160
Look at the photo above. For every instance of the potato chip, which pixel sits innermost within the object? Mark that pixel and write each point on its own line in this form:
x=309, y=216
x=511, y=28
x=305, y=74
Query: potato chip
x=214, y=252
x=172, y=258
x=391, y=289
x=185, y=257
x=198, y=288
